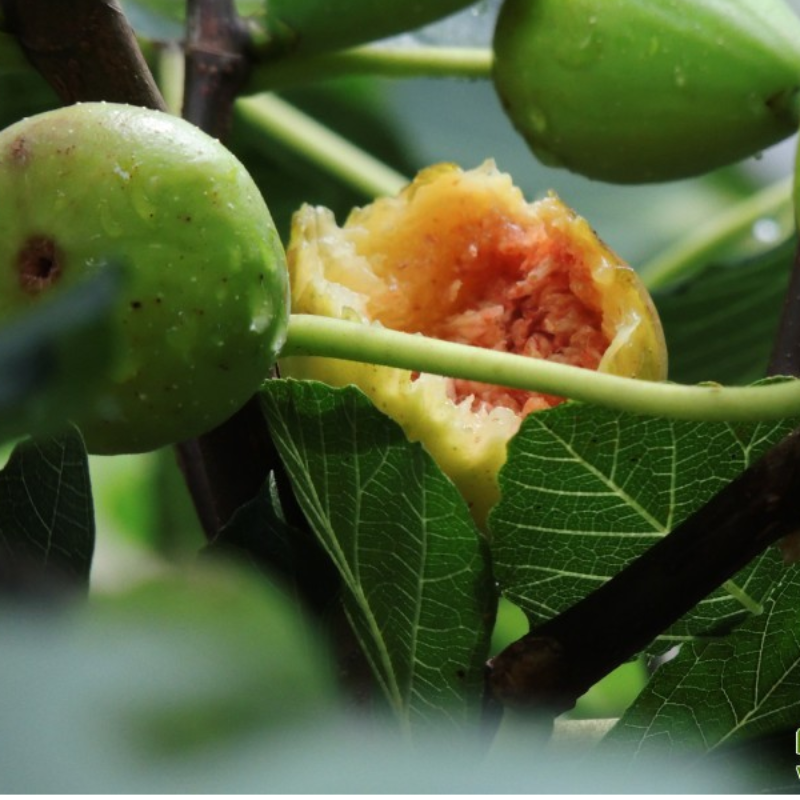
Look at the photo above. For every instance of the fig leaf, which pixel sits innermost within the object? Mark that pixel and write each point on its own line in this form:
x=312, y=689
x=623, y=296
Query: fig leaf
x=46, y=515
x=586, y=490
x=419, y=592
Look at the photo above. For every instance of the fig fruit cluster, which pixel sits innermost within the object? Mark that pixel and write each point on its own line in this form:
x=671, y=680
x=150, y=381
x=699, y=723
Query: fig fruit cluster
x=204, y=308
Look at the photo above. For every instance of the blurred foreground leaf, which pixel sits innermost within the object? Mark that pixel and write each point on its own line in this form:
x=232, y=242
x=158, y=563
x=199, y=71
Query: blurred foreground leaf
x=586, y=490
x=54, y=356
x=159, y=686
x=46, y=514
x=419, y=597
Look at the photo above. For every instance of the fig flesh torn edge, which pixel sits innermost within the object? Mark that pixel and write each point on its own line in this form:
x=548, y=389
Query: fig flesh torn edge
x=461, y=256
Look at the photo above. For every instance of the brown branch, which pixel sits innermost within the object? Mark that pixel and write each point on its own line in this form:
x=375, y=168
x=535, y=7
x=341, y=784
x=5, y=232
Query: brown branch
x=217, y=64
x=785, y=358
x=226, y=467
x=85, y=49
x=549, y=668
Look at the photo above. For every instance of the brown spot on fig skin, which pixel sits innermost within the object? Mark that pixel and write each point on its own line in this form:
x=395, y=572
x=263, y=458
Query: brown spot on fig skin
x=40, y=263
x=19, y=152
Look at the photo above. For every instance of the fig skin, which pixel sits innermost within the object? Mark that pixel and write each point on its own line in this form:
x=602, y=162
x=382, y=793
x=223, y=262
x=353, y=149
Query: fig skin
x=405, y=262
x=633, y=91
x=204, y=308
x=308, y=26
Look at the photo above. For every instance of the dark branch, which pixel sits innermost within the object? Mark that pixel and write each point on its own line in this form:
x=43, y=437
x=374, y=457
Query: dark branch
x=217, y=64
x=85, y=49
x=549, y=668
x=226, y=467
x=785, y=359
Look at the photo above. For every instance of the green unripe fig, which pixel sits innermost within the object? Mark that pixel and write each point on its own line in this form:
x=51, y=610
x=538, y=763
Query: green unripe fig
x=634, y=91
x=308, y=26
x=204, y=307
x=303, y=26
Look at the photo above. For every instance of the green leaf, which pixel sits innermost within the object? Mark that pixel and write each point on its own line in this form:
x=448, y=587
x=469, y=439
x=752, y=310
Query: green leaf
x=720, y=693
x=55, y=355
x=586, y=490
x=720, y=324
x=419, y=594
x=46, y=512
x=174, y=683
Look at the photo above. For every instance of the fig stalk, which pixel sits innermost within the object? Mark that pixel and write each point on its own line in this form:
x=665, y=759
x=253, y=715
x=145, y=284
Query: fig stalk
x=311, y=335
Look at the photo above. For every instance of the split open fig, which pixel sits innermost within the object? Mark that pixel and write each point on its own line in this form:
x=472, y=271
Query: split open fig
x=462, y=256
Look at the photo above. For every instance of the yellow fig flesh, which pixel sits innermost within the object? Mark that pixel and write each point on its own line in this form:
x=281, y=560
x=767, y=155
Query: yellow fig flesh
x=461, y=256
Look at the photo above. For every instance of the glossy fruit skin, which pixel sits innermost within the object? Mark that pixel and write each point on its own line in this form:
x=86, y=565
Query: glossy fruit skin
x=308, y=26
x=204, y=307
x=633, y=91
x=340, y=272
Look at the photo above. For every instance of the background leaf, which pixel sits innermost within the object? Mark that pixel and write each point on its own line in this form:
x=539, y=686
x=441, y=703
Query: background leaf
x=586, y=490
x=747, y=685
x=419, y=595
x=720, y=325
x=46, y=513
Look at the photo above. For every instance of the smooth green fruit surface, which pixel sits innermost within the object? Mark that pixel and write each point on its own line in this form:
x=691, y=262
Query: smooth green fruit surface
x=648, y=90
x=205, y=305
x=308, y=26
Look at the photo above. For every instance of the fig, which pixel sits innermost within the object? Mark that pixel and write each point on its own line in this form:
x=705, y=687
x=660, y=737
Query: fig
x=204, y=306
x=634, y=91
x=460, y=255
x=308, y=26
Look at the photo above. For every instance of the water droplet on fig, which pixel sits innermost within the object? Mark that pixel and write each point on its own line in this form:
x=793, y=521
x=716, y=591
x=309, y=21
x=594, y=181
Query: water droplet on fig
x=108, y=220
x=141, y=202
x=537, y=120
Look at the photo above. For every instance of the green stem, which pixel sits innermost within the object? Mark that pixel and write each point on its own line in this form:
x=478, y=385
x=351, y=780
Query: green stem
x=311, y=335
x=707, y=240
x=390, y=62
x=738, y=594
x=284, y=123
x=170, y=74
